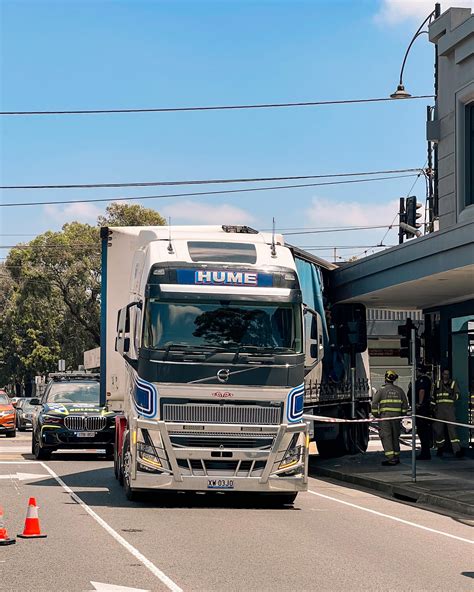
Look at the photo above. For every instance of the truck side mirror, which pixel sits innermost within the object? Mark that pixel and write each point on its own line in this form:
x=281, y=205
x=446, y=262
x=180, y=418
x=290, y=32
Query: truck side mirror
x=314, y=348
x=122, y=341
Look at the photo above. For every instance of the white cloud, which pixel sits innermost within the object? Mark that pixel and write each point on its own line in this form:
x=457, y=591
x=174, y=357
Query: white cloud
x=75, y=212
x=329, y=212
x=191, y=212
x=393, y=12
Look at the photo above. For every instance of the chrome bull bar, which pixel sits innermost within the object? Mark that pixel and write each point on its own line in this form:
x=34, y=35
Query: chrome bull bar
x=176, y=477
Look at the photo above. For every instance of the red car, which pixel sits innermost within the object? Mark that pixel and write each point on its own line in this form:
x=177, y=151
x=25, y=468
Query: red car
x=7, y=417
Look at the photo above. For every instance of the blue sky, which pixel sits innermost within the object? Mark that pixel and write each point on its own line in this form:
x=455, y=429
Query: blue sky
x=149, y=53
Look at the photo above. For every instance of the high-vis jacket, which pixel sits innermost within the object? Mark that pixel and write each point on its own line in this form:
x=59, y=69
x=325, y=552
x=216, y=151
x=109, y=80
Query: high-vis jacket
x=445, y=394
x=389, y=401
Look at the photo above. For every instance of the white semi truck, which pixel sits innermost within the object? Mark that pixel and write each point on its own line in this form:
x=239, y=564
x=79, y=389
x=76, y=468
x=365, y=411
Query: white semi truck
x=209, y=336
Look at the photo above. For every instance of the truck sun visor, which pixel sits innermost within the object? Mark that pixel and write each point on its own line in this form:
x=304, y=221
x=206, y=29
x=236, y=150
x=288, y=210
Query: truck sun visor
x=228, y=252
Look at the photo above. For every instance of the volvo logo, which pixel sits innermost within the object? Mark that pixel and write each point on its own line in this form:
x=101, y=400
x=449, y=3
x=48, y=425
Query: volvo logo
x=222, y=395
x=223, y=375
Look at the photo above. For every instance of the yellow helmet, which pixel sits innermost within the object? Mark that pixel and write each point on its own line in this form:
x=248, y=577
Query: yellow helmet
x=391, y=376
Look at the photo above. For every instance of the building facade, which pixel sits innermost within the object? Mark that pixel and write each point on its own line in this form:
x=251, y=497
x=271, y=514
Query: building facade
x=435, y=272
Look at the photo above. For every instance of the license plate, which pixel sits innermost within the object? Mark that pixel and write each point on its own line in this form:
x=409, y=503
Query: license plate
x=220, y=484
x=85, y=434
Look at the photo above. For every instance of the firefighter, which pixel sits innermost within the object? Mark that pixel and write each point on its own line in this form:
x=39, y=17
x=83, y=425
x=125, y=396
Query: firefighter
x=423, y=407
x=444, y=396
x=390, y=401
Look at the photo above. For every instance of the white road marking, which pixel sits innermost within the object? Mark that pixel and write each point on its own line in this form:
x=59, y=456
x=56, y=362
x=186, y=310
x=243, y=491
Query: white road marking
x=100, y=587
x=19, y=462
x=23, y=476
x=446, y=534
x=130, y=548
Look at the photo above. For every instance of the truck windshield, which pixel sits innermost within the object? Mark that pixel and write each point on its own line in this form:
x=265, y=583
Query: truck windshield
x=224, y=325
x=83, y=392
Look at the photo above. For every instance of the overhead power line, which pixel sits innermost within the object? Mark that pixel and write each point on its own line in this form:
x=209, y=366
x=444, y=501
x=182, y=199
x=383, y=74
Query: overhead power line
x=212, y=107
x=209, y=181
x=337, y=229
x=201, y=193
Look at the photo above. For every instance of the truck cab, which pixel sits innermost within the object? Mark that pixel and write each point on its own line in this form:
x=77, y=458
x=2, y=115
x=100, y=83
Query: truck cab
x=206, y=358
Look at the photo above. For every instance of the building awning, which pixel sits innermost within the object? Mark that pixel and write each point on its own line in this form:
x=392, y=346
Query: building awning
x=433, y=270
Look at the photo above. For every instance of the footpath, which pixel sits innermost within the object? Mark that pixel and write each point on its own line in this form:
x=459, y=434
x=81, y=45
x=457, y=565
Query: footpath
x=445, y=482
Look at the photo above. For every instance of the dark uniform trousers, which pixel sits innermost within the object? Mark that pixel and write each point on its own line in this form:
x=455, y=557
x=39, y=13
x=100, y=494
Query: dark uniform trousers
x=444, y=398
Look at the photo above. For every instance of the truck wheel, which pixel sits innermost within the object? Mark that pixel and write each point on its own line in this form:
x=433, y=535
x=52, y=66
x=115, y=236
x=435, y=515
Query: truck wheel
x=109, y=452
x=330, y=448
x=40, y=452
x=281, y=499
x=130, y=493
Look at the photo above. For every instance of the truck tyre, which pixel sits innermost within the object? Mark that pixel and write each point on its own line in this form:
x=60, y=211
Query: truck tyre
x=330, y=448
x=130, y=493
x=281, y=499
x=109, y=452
x=40, y=452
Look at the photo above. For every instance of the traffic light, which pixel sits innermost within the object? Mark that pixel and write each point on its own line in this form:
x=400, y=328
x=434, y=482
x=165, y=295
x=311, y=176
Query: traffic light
x=412, y=214
x=405, y=342
x=350, y=323
x=405, y=332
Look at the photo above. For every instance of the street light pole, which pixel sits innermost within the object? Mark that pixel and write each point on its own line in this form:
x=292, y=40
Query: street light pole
x=401, y=93
x=413, y=404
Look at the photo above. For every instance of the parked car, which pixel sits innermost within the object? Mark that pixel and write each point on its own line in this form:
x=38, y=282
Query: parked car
x=24, y=414
x=69, y=416
x=7, y=417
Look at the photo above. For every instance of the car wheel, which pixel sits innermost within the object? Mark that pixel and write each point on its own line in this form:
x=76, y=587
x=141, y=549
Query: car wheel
x=131, y=494
x=11, y=434
x=40, y=452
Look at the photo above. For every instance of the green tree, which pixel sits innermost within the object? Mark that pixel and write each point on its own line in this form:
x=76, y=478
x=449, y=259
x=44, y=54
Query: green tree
x=123, y=214
x=50, y=295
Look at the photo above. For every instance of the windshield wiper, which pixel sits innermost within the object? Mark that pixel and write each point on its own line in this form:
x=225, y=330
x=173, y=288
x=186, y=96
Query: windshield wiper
x=189, y=348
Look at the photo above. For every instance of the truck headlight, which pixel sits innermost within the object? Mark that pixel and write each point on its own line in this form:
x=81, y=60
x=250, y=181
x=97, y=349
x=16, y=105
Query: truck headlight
x=148, y=455
x=292, y=455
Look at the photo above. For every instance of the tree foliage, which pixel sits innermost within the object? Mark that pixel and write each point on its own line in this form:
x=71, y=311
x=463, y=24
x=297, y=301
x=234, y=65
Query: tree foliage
x=50, y=295
x=123, y=214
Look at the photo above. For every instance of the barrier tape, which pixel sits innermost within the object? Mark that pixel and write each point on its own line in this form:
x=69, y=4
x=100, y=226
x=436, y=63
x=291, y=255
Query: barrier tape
x=322, y=418
x=461, y=425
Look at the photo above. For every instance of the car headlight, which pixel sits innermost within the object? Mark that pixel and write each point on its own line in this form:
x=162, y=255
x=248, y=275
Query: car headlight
x=51, y=418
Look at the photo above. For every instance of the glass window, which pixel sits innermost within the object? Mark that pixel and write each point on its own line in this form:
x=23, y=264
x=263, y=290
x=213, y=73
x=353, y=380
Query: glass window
x=228, y=325
x=469, y=163
x=222, y=252
x=4, y=400
x=69, y=392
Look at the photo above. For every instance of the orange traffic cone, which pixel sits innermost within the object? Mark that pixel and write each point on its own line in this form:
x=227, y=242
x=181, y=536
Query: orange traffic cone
x=4, y=540
x=32, y=526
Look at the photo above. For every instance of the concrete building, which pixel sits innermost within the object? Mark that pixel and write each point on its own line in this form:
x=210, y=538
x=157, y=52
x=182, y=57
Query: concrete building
x=435, y=273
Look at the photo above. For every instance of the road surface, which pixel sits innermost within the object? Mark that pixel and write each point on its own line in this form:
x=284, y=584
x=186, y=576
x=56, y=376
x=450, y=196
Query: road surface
x=335, y=538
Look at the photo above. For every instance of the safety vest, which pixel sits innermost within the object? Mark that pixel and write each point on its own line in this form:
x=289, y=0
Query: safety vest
x=444, y=394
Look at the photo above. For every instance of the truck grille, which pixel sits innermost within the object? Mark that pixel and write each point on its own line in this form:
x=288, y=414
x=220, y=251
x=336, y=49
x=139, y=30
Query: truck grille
x=93, y=423
x=221, y=439
x=215, y=413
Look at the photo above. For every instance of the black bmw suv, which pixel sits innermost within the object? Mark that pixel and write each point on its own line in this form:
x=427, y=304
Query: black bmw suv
x=69, y=416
